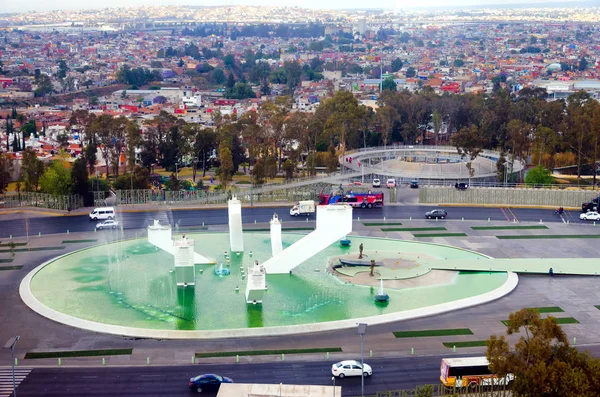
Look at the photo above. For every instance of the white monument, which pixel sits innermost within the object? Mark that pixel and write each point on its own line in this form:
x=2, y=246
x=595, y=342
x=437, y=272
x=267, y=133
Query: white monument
x=276, y=243
x=257, y=284
x=161, y=236
x=184, y=261
x=333, y=223
x=236, y=237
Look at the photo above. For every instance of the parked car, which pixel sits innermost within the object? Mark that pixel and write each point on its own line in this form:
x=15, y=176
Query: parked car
x=461, y=186
x=208, y=382
x=590, y=216
x=350, y=368
x=376, y=183
x=390, y=183
x=436, y=213
x=414, y=184
x=355, y=184
x=107, y=224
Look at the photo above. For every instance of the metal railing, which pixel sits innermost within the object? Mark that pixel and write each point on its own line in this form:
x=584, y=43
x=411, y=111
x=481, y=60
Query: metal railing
x=441, y=390
x=41, y=200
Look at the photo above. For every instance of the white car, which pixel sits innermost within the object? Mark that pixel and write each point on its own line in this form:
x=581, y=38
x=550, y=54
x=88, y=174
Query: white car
x=390, y=183
x=107, y=224
x=350, y=368
x=376, y=183
x=590, y=216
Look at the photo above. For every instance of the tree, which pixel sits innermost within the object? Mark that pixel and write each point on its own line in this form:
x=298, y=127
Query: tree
x=44, y=86
x=31, y=170
x=56, y=180
x=538, y=176
x=258, y=172
x=293, y=74
x=410, y=72
x=389, y=84
x=458, y=63
x=397, y=65
x=62, y=69
x=543, y=362
x=160, y=99
x=6, y=168
x=79, y=178
x=204, y=141
x=225, y=172
x=218, y=76
x=289, y=169
x=62, y=140
x=583, y=64
x=469, y=143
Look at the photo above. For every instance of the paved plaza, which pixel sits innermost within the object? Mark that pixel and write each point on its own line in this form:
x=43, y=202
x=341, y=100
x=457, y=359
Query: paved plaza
x=576, y=295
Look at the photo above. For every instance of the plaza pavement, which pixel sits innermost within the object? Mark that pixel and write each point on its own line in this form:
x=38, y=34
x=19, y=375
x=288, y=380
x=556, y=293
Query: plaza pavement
x=577, y=295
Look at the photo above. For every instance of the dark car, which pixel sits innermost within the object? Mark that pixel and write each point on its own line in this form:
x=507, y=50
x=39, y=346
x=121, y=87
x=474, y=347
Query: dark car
x=208, y=382
x=437, y=213
x=591, y=206
x=414, y=184
x=461, y=186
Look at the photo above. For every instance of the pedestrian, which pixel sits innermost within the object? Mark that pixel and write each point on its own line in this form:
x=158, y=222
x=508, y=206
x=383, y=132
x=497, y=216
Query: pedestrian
x=551, y=272
x=372, y=267
x=360, y=251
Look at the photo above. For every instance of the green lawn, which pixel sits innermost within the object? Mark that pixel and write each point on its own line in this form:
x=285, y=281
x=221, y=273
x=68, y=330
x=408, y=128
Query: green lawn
x=78, y=241
x=10, y=267
x=412, y=229
x=549, y=236
x=382, y=223
x=535, y=227
x=59, y=247
x=16, y=244
x=269, y=352
x=560, y=320
x=470, y=343
x=547, y=309
x=439, y=235
x=433, y=332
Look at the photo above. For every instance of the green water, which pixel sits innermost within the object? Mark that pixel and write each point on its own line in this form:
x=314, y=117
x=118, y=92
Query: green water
x=131, y=283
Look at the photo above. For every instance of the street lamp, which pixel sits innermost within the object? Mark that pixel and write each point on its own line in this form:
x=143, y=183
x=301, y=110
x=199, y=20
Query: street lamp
x=333, y=379
x=362, y=330
x=10, y=344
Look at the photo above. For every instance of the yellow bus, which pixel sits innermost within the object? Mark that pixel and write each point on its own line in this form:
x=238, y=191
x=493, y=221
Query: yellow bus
x=470, y=372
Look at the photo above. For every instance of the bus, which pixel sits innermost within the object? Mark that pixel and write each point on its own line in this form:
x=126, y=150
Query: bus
x=470, y=372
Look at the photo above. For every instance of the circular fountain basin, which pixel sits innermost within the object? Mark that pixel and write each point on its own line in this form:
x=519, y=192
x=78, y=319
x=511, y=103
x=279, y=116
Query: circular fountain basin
x=128, y=288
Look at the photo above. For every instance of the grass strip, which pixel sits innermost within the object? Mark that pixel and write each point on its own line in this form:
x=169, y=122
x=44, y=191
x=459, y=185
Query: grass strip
x=16, y=267
x=7, y=260
x=550, y=236
x=269, y=352
x=433, y=332
x=559, y=320
x=469, y=343
x=382, y=223
x=78, y=241
x=282, y=229
x=439, y=235
x=412, y=229
x=59, y=247
x=534, y=227
x=547, y=309
x=597, y=307
x=79, y=353
x=16, y=245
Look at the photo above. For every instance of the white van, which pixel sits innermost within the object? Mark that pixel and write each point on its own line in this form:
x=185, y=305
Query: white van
x=102, y=213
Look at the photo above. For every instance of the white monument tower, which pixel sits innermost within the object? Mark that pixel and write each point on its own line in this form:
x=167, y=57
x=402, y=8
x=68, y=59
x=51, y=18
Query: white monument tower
x=257, y=284
x=184, y=261
x=276, y=243
x=236, y=237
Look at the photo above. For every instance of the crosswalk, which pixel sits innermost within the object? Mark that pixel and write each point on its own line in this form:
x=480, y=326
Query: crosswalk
x=6, y=379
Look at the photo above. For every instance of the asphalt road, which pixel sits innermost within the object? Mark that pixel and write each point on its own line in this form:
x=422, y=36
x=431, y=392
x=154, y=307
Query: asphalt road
x=388, y=374
x=188, y=218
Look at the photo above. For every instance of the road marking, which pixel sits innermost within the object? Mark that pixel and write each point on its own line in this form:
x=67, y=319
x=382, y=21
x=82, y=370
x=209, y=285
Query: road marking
x=504, y=213
x=6, y=380
x=514, y=216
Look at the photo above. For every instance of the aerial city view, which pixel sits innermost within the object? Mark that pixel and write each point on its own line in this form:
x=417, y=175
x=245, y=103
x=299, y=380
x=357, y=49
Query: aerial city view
x=300, y=199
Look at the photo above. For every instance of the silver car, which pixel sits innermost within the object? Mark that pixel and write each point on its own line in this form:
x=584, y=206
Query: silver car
x=107, y=224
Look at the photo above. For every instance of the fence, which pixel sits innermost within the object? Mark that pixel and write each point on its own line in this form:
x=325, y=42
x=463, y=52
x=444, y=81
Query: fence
x=440, y=390
x=505, y=196
x=41, y=200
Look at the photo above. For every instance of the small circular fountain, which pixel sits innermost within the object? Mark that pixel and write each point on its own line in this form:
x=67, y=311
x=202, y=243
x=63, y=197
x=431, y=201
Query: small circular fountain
x=222, y=271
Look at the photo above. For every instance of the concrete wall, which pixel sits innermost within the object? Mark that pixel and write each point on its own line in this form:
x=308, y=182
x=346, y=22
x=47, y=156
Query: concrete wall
x=506, y=196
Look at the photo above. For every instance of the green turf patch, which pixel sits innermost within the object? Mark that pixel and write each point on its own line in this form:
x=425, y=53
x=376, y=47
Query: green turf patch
x=597, y=307
x=439, y=235
x=269, y=352
x=547, y=309
x=560, y=320
x=60, y=247
x=469, y=343
x=11, y=267
x=535, y=227
x=412, y=229
x=288, y=229
x=550, y=236
x=16, y=244
x=382, y=223
x=433, y=332
x=78, y=241
x=79, y=353
x=7, y=260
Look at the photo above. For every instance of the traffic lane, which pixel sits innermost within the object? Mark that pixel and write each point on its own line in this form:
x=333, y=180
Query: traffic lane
x=173, y=381
x=44, y=225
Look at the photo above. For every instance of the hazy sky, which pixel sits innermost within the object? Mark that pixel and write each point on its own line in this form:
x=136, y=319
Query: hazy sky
x=45, y=5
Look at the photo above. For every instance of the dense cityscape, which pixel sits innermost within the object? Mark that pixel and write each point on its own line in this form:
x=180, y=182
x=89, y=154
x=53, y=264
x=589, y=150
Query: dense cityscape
x=172, y=120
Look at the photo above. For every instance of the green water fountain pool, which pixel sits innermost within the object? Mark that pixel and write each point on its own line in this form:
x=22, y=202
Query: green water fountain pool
x=131, y=283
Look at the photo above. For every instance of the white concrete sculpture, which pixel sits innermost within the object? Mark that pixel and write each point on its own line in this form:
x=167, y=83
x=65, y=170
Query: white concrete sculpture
x=257, y=284
x=236, y=237
x=161, y=236
x=333, y=223
x=184, y=261
x=276, y=243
